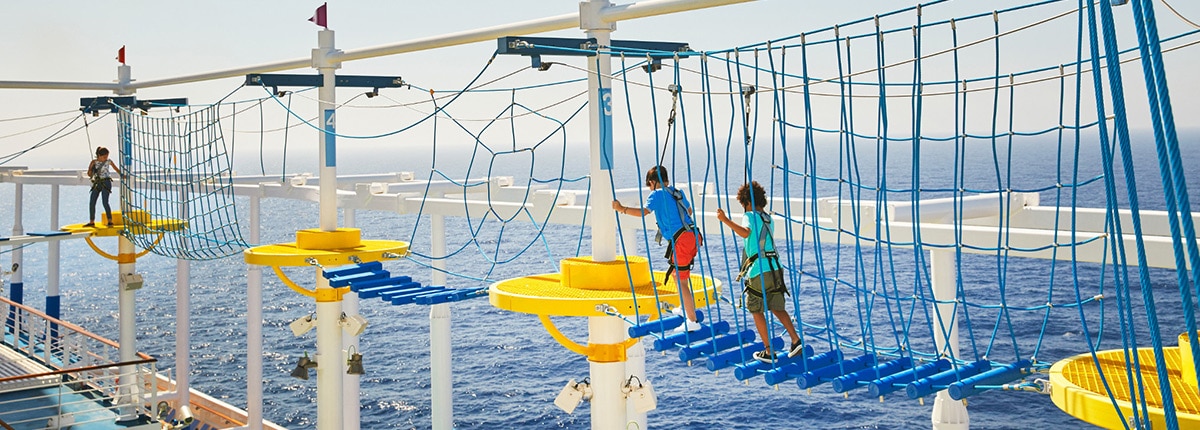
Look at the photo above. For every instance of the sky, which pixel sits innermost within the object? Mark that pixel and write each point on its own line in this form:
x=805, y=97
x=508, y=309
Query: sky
x=76, y=41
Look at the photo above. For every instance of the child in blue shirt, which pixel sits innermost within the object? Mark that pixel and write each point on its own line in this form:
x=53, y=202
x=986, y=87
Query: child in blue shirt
x=673, y=214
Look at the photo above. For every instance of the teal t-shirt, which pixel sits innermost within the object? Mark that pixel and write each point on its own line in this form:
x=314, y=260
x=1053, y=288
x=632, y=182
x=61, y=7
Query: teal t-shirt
x=754, y=222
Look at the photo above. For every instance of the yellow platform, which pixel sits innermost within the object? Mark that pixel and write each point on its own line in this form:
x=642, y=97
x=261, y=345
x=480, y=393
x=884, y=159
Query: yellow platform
x=145, y=225
x=1078, y=390
x=588, y=284
x=333, y=248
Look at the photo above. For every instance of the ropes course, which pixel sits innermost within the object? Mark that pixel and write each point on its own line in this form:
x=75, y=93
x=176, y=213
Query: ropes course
x=943, y=201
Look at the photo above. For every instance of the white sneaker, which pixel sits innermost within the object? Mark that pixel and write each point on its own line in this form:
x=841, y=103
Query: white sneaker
x=687, y=326
x=678, y=311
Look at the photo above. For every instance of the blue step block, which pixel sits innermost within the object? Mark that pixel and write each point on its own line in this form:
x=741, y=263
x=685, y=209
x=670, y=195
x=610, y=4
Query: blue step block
x=816, y=377
x=929, y=384
x=661, y=325
x=345, y=280
x=712, y=346
x=350, y=270
x=48, y=233
x=358, y=286
x=367, y=293
x=888, y=384
x=411, y=297
x=400, y=290
x=451, y=296
x=998, y=375
x=752, y=367
x=684, y=339
x=788, y=371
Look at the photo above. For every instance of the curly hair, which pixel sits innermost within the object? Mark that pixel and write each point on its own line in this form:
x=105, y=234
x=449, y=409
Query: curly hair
x=759, y=196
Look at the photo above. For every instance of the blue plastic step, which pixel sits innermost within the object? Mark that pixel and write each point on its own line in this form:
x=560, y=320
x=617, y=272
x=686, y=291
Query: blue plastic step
x=788, y=371
x=367, y=293
x=452, y=295
x=684, y=339
x=350, y=270
x=357, y=286
x=713, y=346
x=345, y=280
x=411, y=297
x=661, y=325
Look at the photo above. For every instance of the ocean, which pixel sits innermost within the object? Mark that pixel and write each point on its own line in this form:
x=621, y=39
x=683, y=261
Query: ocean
x=506, y=368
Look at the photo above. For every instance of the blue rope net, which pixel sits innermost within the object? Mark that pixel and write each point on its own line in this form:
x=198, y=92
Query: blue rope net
x=178, y=168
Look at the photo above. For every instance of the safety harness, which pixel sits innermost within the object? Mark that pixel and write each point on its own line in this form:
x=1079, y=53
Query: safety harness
x=688, y=227
x=763, y=237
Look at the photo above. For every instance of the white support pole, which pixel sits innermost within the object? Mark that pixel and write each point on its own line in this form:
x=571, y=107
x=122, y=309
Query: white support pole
x=635, y=356
x=53, y=308
x=608, y=402
x=351, y=384
x=127, y=322
x=604, y=220
x=324, y=61
x=254, y=327
x=330, y=362
x=183, y=327
x=948, y=414
x=16, y=284
x=635, y=365
x=440, y=352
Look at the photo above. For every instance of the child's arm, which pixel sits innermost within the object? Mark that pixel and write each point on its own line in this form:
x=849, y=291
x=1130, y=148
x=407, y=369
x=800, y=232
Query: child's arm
x=114, y=166
x=742, y=232
x=616, y=205
x=91, y=165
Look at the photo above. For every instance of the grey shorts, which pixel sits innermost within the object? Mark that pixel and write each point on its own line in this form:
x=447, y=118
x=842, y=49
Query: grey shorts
x=775, y=292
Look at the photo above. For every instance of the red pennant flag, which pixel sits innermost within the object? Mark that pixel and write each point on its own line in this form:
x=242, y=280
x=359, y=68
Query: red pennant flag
x=319, y=17
x=121, y=55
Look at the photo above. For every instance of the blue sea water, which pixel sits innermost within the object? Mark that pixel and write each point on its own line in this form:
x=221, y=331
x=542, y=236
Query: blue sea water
x=507, y=370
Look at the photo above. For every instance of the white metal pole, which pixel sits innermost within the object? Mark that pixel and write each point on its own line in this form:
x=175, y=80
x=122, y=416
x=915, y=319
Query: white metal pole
x=16, y=285
x=127, y=311
x=183, y=311
x=254, y=327
x=330, y=364
x=608, y=402
x=635, y=358
x=53, y=308
x=324, y=61
x=351, y=384
x=440, y=353
x=948, y=414
x=635, y=365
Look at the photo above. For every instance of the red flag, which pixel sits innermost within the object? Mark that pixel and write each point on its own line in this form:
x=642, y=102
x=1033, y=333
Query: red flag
x=121, y=55
x=319, y=17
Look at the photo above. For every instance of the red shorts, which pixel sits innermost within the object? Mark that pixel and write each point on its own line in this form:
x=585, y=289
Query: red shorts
x=683, y=252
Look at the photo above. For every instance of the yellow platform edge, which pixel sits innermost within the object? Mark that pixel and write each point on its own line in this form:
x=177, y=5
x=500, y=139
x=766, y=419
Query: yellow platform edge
x=1096, y=408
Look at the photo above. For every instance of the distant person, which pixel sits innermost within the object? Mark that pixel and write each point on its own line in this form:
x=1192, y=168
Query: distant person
x=673, y=214
x=101, y=185
x=761, y=271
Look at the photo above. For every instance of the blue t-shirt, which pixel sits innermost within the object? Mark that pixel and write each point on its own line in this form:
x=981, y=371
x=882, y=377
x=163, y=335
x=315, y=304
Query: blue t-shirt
x=666, y=211
x=753, y=221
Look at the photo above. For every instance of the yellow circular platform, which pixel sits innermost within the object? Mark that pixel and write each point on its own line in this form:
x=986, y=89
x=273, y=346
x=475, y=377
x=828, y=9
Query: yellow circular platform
x=288, y=254
x=1078, y=390
x=145, y=225
x=549, y=294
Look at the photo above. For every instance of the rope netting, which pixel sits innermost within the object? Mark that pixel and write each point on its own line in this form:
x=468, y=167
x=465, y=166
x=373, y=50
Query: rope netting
x=896, y=149
x=179, y=173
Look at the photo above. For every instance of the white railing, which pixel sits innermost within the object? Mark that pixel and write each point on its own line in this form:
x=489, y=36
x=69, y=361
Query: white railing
x=67, y=369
